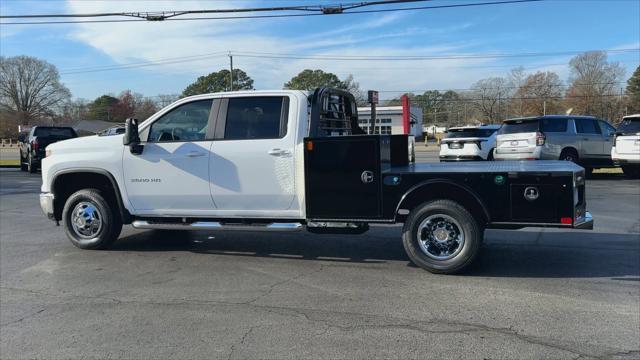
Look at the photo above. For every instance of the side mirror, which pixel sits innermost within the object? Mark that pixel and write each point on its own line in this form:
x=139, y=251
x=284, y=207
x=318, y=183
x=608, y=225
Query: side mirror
x=131, y=137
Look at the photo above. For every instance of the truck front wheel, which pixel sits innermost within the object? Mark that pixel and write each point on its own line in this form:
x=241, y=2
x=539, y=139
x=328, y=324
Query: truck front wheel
x=89, y=221
x=442, y=237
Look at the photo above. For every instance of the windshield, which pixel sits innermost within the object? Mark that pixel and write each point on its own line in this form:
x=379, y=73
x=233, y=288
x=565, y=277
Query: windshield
x=629, y=126
x=519, y=126
x=55, y=132
x=469, y=133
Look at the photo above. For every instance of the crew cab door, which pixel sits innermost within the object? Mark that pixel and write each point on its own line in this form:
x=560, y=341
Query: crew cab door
x=171, y=176
x=608, y=137
x=252, y=162
x=590, y=139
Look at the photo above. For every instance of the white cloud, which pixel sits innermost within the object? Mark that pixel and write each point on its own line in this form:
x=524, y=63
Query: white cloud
x=148, y=41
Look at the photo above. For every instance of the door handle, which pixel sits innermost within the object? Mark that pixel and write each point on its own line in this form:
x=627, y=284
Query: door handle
x=195, y=154
x=278, y=152
x=585, y=139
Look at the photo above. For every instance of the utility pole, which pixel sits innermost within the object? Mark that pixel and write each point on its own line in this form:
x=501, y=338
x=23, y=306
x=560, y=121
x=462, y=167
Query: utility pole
x=544, y=107
x=231, y=73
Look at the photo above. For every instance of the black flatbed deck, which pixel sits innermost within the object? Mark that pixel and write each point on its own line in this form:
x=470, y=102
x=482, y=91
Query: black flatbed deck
x=526, y=166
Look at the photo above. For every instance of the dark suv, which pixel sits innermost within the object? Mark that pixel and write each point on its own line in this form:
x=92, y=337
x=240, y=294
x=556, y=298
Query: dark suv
x=33, y=144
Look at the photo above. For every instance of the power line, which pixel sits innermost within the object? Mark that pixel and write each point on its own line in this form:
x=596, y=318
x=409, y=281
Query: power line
x=164, y=15
x=418, y=92
x=138, y=65
x=199, y=57
x=279, y=15
x=422, y=57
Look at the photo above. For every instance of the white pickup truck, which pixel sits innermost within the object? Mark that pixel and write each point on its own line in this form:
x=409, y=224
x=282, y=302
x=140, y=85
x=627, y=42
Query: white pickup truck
x=287, y=161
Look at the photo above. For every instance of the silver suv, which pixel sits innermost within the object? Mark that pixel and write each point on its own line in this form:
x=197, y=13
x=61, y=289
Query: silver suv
x=581, y=139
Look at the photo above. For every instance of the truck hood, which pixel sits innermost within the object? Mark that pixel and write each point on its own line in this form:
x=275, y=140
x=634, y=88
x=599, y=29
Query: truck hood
x=86, y=143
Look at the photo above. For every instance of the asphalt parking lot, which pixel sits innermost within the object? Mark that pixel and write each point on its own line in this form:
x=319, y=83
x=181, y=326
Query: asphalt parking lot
x=534, y=293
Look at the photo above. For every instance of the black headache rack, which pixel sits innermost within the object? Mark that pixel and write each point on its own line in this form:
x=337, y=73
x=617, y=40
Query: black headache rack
x=343, y=165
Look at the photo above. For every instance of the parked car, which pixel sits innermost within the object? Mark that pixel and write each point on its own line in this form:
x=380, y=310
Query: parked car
x=584, y=140
x=32, y=147
x=116, y=130
x=259, y=161
x=469, y=143
x=626, y=148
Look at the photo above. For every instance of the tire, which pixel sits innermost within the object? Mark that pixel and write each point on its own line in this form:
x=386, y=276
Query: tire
x=490, y=155
x=91, y=206
x=31, y=168
x=631, y=171
x=425, y=253
x=23, y=165
x=569, y=155
x=588, y=172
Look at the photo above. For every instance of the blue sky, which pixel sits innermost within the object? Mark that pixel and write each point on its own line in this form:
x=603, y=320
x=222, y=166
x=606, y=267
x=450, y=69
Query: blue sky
x=548, y=26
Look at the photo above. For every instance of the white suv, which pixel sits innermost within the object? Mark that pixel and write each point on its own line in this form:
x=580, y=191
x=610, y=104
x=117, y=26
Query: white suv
x=469, y=143
x=626, y=148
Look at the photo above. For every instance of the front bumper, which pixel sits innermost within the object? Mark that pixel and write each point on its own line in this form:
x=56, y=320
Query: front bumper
x=46, y=203
x=584, y=222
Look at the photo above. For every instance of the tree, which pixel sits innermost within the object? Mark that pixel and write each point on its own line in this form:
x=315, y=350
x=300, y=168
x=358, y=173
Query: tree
x=219, y=81
x=143, y=107
x=124, y=108
x=73, y=111
x=540, y=94
x=633, y=91
x=516, y=79
x=310, y=79
x=353, y=87
x=488, y=96
x=593, y=82
x=166, y=99
x=102, y=108
x=30, y=88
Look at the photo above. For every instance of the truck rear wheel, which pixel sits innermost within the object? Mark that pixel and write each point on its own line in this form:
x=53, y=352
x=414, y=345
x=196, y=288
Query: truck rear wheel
x=89, y=221
x=442, y=237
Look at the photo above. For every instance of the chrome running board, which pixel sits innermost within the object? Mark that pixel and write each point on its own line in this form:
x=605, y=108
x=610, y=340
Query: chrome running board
x=217, y=226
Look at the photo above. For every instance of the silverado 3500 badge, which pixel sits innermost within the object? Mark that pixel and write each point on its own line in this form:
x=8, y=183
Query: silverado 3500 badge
x=145, y=180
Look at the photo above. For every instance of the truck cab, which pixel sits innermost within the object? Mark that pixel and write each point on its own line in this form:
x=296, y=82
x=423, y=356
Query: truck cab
x=289, y=160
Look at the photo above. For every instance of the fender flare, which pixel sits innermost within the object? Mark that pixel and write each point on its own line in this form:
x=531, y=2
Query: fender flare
x=447, y=182
x=125, y=215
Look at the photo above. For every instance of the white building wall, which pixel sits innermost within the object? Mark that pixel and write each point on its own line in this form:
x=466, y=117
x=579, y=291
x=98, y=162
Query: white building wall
x=389, y=120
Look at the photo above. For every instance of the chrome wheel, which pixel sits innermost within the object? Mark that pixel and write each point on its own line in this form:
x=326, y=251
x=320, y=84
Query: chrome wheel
x=86, y=220
x=440, y=237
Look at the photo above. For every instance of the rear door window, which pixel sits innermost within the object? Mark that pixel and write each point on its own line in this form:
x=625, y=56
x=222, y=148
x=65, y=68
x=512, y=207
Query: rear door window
x=606, y=128
x=256, y=117
x=519, y=126
x=554, y=125
x=587, y=126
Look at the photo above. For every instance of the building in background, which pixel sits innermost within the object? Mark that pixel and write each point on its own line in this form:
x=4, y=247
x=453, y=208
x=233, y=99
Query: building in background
x=404, y=119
